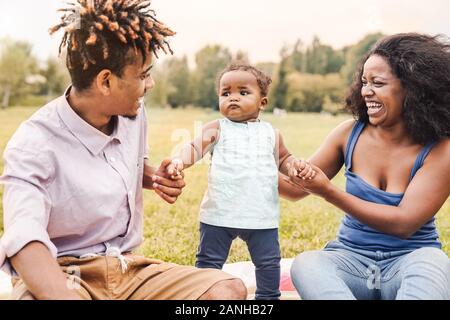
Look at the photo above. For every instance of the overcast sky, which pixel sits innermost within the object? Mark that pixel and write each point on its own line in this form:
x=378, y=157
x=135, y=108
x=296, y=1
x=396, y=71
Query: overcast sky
x=259, y=27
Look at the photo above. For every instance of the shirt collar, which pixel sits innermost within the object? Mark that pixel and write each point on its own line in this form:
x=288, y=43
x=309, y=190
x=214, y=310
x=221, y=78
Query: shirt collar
x=93, y=139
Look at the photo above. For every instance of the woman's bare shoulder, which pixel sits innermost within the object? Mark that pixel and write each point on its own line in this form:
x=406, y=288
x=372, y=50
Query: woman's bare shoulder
x=345, y=126
x=339, y=135
x=440, y=152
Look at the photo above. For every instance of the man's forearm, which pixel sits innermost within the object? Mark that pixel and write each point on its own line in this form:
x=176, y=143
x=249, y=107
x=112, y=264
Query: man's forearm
x=147, y=181
x=41, y=273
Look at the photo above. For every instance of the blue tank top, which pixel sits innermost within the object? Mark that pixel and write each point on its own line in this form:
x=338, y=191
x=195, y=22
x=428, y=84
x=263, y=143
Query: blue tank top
x=358, y=235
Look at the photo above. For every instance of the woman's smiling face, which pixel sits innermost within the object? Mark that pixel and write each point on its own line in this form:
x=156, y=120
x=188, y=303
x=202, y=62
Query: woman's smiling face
x=382, y=91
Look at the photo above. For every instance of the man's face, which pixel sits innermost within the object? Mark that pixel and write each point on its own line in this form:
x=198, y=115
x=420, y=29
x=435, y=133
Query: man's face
x=128, y=91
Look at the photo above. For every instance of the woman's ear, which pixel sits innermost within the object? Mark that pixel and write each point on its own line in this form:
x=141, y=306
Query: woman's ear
x=103, y=82
x=263, y=104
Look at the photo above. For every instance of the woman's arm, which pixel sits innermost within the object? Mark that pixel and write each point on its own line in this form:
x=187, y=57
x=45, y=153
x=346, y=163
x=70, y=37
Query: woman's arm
x=329, y=158
x=288, y=190
x=423, y=198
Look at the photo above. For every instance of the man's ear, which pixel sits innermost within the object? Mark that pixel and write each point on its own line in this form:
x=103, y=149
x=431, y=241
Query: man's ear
x=103, y=82
x=264, y=102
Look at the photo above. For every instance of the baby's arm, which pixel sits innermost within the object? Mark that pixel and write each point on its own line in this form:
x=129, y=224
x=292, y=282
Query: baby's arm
x=286, y=161
x=195, y=149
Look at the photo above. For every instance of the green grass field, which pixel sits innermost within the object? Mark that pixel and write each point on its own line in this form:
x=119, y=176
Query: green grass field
x=171, y=231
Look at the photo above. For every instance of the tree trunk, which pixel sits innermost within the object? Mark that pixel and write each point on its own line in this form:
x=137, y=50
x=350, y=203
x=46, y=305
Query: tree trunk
x=6, y=96
x=49, y=95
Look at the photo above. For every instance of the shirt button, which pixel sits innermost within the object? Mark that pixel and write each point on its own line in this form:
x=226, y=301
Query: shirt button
x=112, y=159
x=130, y=193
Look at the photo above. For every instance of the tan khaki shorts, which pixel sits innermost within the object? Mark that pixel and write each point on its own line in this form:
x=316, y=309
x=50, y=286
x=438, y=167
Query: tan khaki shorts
x=101, y=278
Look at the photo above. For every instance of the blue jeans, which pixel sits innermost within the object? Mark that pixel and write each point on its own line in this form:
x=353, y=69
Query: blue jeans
x=215, y=243
x=342, y=272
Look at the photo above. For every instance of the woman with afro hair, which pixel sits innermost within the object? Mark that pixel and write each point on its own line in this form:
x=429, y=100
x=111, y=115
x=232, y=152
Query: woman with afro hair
x=396, y=155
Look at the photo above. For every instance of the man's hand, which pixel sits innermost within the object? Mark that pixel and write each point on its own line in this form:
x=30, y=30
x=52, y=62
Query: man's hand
x=162, y=183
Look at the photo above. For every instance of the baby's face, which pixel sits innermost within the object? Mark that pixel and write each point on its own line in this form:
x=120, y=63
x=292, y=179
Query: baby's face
x=240, y=97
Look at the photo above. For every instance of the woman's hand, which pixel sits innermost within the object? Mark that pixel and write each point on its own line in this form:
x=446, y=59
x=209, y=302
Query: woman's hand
x=309, y=178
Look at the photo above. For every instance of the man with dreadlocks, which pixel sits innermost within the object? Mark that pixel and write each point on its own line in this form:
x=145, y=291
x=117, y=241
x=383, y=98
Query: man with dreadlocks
x=74, y=172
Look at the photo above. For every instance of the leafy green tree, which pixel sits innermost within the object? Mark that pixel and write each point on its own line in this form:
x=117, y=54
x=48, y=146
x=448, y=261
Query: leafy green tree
x=277, y=96
x=178, y=78
x=210, y=60
x=331, y=107
x=297, y=57
x=309, y=92
x=322, y=59
x=16, y=63
x=241, y=56
x=316, y=57
x=336, y=60
x=268, y=68
x=355, y=53
x=158, y=96
x=57, y=78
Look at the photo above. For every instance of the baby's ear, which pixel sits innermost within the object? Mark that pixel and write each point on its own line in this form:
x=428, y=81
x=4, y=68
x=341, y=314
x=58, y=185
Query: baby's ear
x=264, y=102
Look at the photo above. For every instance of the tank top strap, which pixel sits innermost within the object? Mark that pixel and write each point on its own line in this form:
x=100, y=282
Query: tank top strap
x=421, y=158
x=352, y=139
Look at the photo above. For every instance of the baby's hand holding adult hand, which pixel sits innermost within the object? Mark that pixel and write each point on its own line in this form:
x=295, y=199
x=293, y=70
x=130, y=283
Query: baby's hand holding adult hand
x=302, y=169
x=175, y=169
x=315, y=181
x=167, y=186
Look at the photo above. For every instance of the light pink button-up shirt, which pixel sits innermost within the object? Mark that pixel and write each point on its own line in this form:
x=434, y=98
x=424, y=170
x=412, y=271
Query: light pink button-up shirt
x=72, y=187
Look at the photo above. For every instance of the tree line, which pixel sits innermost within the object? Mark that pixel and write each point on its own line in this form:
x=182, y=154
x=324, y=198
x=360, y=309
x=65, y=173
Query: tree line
x=308, y=78
x=24, y=80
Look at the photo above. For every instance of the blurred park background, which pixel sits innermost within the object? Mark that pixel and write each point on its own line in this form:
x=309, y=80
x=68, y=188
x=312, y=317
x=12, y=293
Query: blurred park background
x=310, y=50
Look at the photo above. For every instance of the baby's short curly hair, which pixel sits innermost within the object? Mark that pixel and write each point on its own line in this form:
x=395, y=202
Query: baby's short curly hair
x=263, y=80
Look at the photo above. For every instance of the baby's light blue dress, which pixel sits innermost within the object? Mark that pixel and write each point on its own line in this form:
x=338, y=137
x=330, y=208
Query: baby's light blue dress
x=243, y=178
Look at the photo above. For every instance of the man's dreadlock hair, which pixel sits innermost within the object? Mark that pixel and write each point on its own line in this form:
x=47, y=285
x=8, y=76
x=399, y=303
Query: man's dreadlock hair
x=108, y=34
